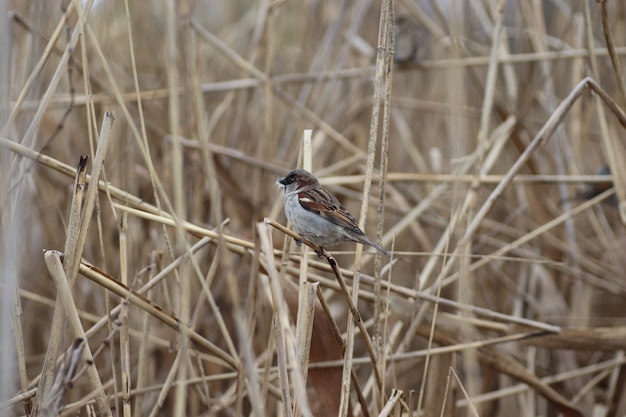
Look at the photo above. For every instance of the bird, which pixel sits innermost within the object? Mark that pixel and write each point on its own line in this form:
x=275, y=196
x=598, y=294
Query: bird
x=317, y=215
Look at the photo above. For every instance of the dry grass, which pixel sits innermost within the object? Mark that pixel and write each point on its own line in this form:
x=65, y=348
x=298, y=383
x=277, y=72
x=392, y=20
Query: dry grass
x=472, y=155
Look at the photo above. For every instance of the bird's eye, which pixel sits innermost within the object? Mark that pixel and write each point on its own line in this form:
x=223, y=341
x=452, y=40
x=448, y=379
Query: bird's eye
x=289, y=179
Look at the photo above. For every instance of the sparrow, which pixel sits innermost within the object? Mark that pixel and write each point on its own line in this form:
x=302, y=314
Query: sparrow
x=317, y=215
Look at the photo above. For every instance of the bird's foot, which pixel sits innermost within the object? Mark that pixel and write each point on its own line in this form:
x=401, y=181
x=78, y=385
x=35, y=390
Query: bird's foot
x=299, y=242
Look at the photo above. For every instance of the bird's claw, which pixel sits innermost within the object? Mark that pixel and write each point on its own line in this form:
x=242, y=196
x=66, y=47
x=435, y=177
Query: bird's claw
x=299, y=242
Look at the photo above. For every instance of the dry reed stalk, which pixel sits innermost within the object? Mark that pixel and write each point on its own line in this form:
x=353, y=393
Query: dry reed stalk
x=75, y=241
x=55, y=266
x=302, y=315
x=304, y=329
x=280, y=93
x=617, y=67
x=541, y=258
x=110, y=283
x=62, y=100
x=285, y=340
x=125, y=363
x=380, y=304
x=38, y=68
x=394, y=399
x=349, y=299
x=382, y=78
x=340, y=342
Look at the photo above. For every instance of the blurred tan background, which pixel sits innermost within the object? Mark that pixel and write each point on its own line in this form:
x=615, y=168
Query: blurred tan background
x=234, y=84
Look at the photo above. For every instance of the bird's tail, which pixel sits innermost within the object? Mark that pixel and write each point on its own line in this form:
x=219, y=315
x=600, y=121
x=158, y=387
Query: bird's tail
x=379, y=248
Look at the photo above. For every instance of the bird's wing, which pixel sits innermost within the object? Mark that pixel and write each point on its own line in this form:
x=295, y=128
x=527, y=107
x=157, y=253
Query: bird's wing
x=324, y=204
